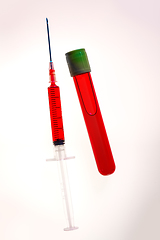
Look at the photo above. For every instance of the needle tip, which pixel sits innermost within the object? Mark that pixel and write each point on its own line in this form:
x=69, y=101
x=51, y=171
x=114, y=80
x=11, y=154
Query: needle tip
x=47, y=20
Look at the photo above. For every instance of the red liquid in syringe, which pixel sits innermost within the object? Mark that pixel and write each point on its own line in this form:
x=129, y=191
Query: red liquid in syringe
x=55, y=111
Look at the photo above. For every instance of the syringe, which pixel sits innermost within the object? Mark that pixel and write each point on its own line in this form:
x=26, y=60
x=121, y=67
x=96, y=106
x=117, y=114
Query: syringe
x=58, y=141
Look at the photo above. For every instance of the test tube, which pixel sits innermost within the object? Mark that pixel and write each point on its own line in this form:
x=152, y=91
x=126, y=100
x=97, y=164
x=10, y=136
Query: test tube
x=80, y=71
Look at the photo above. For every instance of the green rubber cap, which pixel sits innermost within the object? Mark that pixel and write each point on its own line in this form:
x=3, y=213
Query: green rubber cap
x=78, y=62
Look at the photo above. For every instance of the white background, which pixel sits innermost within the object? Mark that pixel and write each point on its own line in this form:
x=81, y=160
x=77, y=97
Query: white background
x=122, y=40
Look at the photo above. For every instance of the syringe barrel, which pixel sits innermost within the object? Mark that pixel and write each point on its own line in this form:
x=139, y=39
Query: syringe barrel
x=56, y=114
x=80, y=71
